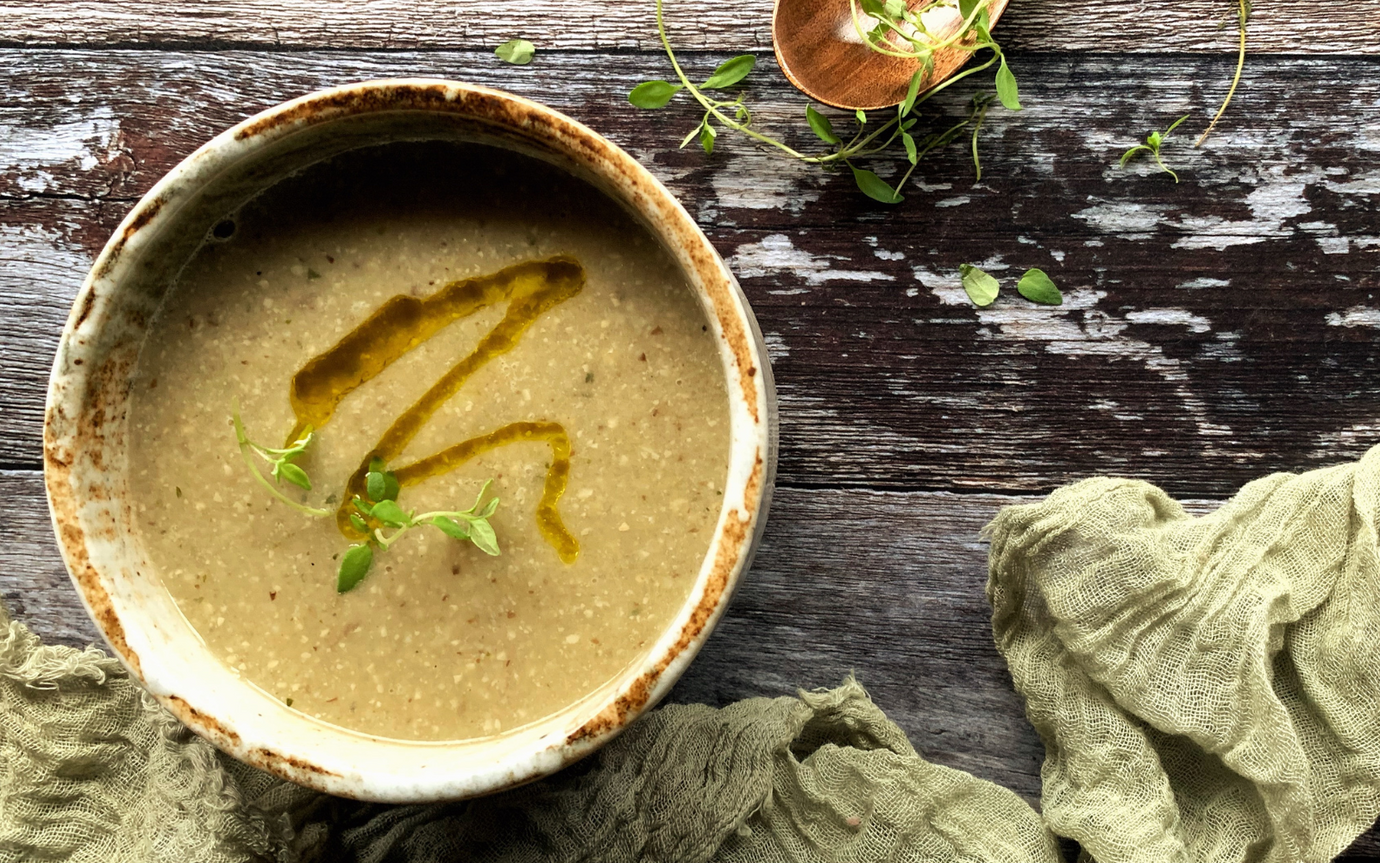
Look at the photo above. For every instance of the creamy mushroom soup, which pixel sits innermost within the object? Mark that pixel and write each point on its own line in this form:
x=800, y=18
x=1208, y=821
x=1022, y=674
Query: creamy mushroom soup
x=428, y=318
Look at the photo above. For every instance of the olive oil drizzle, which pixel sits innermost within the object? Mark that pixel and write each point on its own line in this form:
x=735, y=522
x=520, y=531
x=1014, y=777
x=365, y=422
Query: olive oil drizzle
x=403, y=323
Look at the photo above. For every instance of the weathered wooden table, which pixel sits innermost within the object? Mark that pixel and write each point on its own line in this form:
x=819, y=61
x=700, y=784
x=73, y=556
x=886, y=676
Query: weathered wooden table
x=1213, y=330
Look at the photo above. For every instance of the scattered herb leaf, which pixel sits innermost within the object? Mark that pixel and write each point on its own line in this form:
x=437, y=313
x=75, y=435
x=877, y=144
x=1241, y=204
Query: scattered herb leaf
x=281, y=464
x=730, y=72
x=1038, y=287
x=653, y=94
x=820, y=125
x=1243, y=14
x=519, y=52
x=1153, y=142
x=981, y=288
x=874, y=187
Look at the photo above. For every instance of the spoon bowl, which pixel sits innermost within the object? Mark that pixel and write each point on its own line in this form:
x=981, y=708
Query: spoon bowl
x=819, y=49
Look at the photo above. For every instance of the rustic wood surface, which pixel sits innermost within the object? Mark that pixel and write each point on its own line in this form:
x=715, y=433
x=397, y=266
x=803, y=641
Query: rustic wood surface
x=1214, y=330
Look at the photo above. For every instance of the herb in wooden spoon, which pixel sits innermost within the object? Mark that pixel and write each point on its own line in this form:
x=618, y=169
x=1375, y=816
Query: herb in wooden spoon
x=864, y=143
x=1152, y=145
x=381, y=512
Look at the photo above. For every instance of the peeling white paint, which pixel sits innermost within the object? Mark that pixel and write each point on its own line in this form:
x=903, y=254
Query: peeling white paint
x=889, y=256
x=749, y=182
x=776, y=254
x=1356, y=316
x=953, y=202
x=1277, y=199
x=1204, y=282
x=84, y=142
x=776, y=346
x=1171, y=317
x=1139, y=221
x=1351, y=438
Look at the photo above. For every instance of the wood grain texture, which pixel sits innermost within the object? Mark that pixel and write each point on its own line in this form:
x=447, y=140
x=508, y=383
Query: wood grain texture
x=904, y=612
x=1213, y=330
x=1280, y=26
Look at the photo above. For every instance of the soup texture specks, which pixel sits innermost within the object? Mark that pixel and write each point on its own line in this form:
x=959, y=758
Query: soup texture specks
x=440, y=641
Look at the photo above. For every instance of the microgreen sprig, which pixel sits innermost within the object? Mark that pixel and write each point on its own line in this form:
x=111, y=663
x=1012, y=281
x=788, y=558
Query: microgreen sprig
x=519, y=52
x=1152, y=145
x=382, y=510
x=281, y=462
x=1243, y=14
x=733, y=113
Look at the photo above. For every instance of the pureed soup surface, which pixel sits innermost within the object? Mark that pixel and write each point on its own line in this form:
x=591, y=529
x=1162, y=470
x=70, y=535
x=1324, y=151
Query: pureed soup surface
x=440, y=641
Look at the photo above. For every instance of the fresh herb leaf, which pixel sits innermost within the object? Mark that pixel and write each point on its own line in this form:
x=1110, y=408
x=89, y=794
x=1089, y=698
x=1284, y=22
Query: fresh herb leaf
x=374, y=485
x=483, y=537
x=293, y=474
x=358, y=523
x=874, y=187
x=1006, y=87
x=912, y=91
x=519, y=52
x=861, y=117
x=362, y=506
x=820, y=125
x=451, y=528
x=981, y=288
x=707, y=136
x=354, y=565
x=730, y=72
x=909, y=144
x=650, y=95
x=388, y=512
x=1038, y=287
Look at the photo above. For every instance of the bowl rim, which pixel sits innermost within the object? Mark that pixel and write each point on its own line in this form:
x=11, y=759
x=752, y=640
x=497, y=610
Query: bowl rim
x=80, y=400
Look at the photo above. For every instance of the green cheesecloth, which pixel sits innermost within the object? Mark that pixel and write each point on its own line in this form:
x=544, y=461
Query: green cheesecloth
x=1206, y=689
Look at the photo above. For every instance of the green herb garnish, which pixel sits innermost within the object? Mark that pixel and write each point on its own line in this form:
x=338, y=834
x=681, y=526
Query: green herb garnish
x=1243, y=13
x=281, y=464
x=1152, y=144
x=519, y=52
x=720, y=113
x=1038, y=287
x=981, y=288
x=381, y=511
x=1035, y=285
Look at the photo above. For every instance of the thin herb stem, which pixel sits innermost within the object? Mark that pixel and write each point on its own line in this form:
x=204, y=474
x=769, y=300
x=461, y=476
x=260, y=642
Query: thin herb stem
x=247, y=451
x=1243, y=13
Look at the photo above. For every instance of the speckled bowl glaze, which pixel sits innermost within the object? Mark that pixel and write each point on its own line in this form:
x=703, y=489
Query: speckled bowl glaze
x=93, y=504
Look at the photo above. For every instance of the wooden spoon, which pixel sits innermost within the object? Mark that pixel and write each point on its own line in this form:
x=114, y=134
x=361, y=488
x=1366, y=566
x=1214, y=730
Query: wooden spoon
x=821, y=53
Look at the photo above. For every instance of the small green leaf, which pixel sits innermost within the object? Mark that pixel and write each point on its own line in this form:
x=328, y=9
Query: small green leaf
x=730, y=72
x=1037, y=287
x=1132, y=153
x=707, y=136
x=390, y=485
x=374, y=486
x=874, y=8
x=875, y=187
x=488, y=509
x=482, y=535
x=388, y=512
x=653, y=94
x=354, y=565
x=519, y=52
x=913, y=91
x=479, y=498
x=1174, y=125
x=1154, y=139
x=896, y=9
x=358, y=523
x=362, y=506
x=377, y=465
x=909, y=143
x=1006, y=87
x=982, y=289
x=294, y=474
x=820, y=125
x=861, y=116
x=966, y=7
x=451, y=528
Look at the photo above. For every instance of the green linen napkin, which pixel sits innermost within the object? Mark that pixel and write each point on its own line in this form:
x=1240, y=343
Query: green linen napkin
x=1205, y=687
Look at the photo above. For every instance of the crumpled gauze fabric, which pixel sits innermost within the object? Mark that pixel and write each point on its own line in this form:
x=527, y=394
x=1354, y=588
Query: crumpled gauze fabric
x=91, y=769
x=1208, y=689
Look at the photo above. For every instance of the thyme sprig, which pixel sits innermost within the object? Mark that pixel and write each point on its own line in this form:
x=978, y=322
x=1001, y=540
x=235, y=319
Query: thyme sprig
x=282, y=464
x=734, y=114
x=383, y=512
x=1243, y=14
x=1152, y=145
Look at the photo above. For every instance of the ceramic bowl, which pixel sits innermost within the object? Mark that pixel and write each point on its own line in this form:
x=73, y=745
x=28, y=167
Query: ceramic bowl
x=86, y=441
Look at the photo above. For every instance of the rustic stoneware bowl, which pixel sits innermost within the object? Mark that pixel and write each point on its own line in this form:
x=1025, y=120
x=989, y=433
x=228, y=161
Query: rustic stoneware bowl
x=94, y=505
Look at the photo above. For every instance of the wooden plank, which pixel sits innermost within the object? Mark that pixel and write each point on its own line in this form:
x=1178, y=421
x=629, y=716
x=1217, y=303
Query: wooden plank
x=1281, y=26
x=1214, y=330
x=893, y=594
